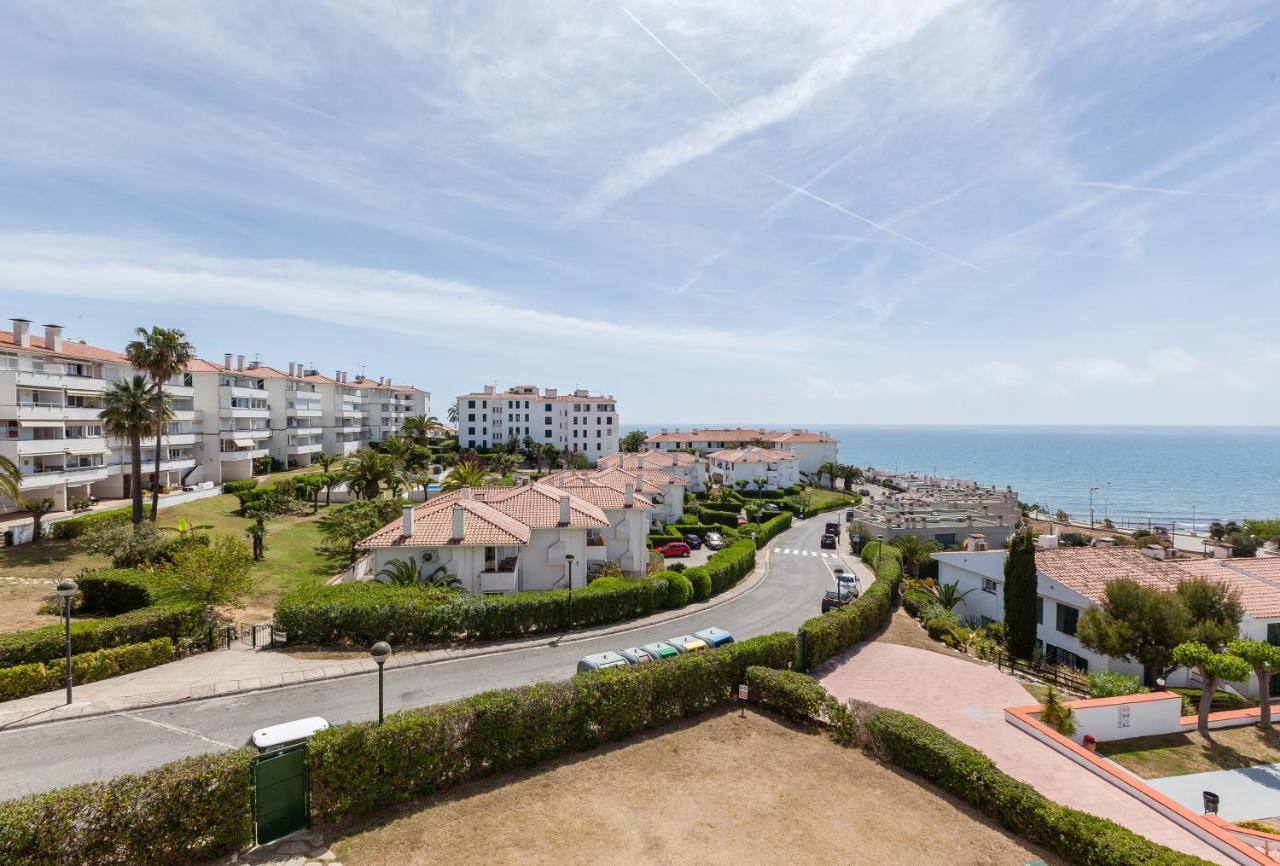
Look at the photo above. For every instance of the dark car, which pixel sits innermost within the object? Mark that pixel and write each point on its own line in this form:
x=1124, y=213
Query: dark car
x=862, y=491
x=693, y=541
x=833, y=528
x=834, y=598
x=829, y=541
x=848, y=515
x=713, y=541
x=673, y=548
x=772, y=506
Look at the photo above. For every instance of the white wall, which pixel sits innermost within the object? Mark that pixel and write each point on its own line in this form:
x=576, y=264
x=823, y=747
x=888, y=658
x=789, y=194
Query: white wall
x=1142, y=717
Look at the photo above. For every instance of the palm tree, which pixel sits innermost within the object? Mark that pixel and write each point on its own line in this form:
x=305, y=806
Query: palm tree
x=10, y=479
x=467, y=473
x=829, y=470
x=366, y=471
x=915, y=551
x=453, y=414
x=443, y=579
x=948, y=594
x=549, y=454
x=422, y=428
x=128, y=413
x=397, y=448
x=162, y=353
x=324, y=460
x=402, y=572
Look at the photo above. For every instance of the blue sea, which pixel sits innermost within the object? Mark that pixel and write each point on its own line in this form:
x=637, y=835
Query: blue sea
x=1163, y=473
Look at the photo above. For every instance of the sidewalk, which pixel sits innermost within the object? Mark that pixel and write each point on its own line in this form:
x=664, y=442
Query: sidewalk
x=235, y=671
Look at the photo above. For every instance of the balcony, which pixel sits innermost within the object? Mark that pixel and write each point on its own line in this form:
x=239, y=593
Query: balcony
x=242, y=391
x=44, y=476
x=301, y=411
x=597, y=549
x=244, y=412
x=187, y=415
x=504, y=577
x=232, y=454
x=306, y=448
x=345, y=448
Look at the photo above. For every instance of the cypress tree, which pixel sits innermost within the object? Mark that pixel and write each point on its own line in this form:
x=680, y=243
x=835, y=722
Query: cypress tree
x=1020, y=597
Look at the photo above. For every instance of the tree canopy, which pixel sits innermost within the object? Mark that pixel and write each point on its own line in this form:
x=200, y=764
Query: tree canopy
x=1021, y=595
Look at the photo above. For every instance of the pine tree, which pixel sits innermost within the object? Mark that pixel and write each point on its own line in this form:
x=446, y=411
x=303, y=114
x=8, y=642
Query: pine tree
x=1020, y=596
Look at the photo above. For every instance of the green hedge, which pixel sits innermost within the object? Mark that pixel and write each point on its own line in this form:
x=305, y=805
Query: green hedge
x=173, y=620
x=74, y=527
x=1078, y=837
x=20, y=681
x=839, y=629
x=187, y=811
x=727, y=566
x=114, y=591
x=798, y=697
x=357, y=768
x=726, y=517
x=700, y=579
x=240, y=486
x=765, y=532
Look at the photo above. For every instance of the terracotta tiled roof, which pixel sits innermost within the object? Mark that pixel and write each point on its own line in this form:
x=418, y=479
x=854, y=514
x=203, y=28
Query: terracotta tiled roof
x=603, y=495
x=752, y=454
x=743, y=435
x=648, y=460
x=1088, y=570
x=200, y=365
x=70, y=349
x=433, y=526
x=650, y=481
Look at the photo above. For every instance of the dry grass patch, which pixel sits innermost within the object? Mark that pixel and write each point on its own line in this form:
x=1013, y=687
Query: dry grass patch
x=1181, y=754
x=720, y=790
x=20, y=601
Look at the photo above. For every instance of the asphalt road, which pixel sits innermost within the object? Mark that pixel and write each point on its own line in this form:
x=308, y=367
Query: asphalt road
x=79, y=750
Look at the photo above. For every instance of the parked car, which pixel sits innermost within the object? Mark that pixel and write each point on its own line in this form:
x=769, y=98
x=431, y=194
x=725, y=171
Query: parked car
x=714, y=637
x=772, y=506
x=660, y=650
x=833, y=527
x=693, y=541
x=829, y=541
x=600, y=661
x=848, y=515
x=834, y=598
x=674, y=548
x=742, y=520
x=636, y=655
x=687, y=643
x=862, y=491
x=713, y=540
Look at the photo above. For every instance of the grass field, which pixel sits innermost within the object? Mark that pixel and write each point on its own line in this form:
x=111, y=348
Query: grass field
x=820, y=497
x=291, y=561
x=721, y=789
x=1180, y=754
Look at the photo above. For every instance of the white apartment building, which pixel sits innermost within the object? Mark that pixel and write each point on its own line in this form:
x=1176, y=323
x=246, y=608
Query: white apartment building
x=811, y=449
x=580, y=421
x=225, y=416
x=774, y=468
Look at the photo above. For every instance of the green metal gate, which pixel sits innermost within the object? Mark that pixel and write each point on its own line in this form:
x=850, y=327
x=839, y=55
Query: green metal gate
x=281, y=793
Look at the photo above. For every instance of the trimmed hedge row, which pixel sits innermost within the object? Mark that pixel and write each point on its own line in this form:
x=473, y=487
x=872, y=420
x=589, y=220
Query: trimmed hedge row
x=114, y=591
x=358, y=768
x=21, y=681
x=728, y=565
x=798, y=697
x=1078, y=837
x=765, y=532
x=74, y=527
x=173, y=620
x=234, y=487
x=187, y=811
x=839, y=629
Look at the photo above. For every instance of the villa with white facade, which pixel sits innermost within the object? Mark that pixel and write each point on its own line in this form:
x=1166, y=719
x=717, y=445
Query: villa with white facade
x=580, y=421
x=811, y=449
x=1073, y=579
x=662, y=490
x=775, y=469
x=500, y=540
x=690, y=467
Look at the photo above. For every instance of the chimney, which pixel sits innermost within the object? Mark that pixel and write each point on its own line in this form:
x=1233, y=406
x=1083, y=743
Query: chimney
x=629, y=495
x=240, y=363
x=1222, y=551
x=464, y=493
x=388, y=381
x=292, y=370
x=226, y=361
x=1104, y=542
x=458, y=530
x=407, y=526
x=1154, y=551
x=1046, y=542
x=551, y=393
x=564, y=510
x=53, y=338
x=22, y=333
x=337, y=375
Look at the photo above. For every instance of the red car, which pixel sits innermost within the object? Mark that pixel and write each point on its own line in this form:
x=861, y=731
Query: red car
x=673, y=548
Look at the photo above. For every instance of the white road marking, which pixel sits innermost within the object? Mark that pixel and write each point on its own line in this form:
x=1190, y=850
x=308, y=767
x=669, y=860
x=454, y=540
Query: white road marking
x=177, y=730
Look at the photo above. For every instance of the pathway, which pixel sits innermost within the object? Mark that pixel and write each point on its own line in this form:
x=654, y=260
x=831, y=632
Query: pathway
x=968, y=701
x=1248, y=793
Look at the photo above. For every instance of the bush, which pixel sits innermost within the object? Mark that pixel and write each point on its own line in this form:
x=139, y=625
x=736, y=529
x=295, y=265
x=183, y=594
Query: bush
x=358, y=768
x=234, y=487
x=793, y=695
x=190, y=810
x=724, y=517
x=727, y=566
x=173, y=620
x=766, y=531
x=675, y=589
x=700, y=580
x=74, y=527
x=32, y=679
x=1106, y=684
x=134, y=546
x=1222, y=701
x=841, y=628
x=114, y=591
x=963, y=771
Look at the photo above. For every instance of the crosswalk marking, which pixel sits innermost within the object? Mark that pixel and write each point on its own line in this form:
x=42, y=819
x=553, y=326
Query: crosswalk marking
x=823, y=554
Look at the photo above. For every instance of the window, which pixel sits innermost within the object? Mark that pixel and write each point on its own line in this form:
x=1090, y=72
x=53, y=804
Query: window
x=471, y=404
x=1273, y=633
x=1067, y=619
x=547, y=421
x=988, y=585
x=1039, y=610
x=471, y=431
x=546, y=407
x=471, y=416
x=471, y=443
x=547, y=433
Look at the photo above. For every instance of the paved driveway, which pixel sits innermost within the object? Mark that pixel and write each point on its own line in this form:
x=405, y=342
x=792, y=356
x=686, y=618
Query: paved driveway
x=967, y=701
x=1248, y=794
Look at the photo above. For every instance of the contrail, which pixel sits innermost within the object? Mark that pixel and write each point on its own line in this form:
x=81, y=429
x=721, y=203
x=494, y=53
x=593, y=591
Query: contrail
x=1124, y=187
x=707, y=87
x=870, y=222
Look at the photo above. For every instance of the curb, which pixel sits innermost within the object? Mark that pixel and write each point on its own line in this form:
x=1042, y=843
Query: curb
x=360, y=667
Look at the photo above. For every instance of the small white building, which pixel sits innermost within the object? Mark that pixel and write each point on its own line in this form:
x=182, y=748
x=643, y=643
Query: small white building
x=500, y=540
x=1073, y=579
x=772, y=468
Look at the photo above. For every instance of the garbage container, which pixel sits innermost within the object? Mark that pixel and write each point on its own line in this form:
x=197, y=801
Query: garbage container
x=1211, y=801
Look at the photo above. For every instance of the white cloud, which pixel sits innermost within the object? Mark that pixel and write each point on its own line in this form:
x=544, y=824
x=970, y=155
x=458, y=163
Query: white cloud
x=1000, y=374
x=1172, y=360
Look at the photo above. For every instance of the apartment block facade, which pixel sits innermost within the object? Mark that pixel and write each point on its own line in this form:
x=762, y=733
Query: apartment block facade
x=579, y=421
x=225, y=416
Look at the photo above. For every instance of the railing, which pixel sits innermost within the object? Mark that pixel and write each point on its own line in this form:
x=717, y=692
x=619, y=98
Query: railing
x=1054, y=675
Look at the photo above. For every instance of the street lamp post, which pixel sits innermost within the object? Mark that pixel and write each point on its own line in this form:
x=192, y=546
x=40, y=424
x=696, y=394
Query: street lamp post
x=879, y=550
x=568, y=570
x=1091, y=491
x=67, y=589
x=380, y=652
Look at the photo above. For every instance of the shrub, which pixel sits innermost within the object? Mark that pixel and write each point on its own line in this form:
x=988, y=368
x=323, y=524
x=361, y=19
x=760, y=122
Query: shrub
x=841, y=628
x=190, y=810
x=32, y=679
x=114, y=591
x=727, y=566
x=234, y=487
x=132, y=546
x=358, y=768
x=700, y=580
x=173, y=620
x=766, y=531
x=1107, y=684
x=74, y=527
x=793, y=695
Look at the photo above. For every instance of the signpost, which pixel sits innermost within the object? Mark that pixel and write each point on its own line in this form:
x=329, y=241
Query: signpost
x=742, y=701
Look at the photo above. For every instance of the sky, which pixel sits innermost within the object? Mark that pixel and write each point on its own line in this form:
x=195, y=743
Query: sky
x=808, y=213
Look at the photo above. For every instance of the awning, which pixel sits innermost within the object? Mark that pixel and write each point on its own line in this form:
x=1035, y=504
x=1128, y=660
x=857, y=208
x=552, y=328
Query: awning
x=25, y=423
x=244, y=443
x=87, y=449
x=80, y=392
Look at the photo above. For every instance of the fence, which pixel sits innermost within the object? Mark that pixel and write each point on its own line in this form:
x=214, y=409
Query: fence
x=1054, y=675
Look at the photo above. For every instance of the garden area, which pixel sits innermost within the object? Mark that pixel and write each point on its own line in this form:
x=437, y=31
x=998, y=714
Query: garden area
x=1181, y=754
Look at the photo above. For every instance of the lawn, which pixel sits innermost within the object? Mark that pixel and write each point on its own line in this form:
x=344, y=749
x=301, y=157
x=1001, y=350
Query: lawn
x=821, y=498
x=721, y=789
x=291, y=561
x=1180, y=754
